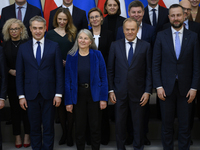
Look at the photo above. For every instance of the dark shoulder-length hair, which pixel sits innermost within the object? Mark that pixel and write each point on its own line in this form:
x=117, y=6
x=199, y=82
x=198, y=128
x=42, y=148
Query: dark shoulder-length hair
x=118, y=11
x=70, y=29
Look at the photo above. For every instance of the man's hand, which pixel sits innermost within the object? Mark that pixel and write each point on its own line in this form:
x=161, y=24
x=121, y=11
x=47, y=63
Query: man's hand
x=2, y=104
x=161, y=93
x=191, y=94
x=23, y=103
x=103, y=104
x=64, y=62
x=57, y=101
x=69, y=108
x=12, y=72
x=144, y=99
x=112, y=97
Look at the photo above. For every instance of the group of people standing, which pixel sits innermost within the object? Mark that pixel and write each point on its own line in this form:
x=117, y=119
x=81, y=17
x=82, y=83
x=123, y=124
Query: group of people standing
x=77, y=70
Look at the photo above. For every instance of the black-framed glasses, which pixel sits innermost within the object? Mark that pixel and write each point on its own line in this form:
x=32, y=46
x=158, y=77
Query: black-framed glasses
x=188, y=9
x=14, y=29
x=92, y=17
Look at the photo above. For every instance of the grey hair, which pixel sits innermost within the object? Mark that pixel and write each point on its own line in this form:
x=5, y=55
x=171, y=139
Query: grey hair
x=75, y=47
x=37, y=18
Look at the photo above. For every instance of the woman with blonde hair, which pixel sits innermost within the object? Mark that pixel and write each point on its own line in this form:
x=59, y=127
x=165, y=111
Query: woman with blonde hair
x=64, y=34
x=15, y=34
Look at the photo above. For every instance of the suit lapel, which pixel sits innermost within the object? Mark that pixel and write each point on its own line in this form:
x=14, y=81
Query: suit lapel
x=147, y=12
x=144, y=31
x=47, y=48
x=92, y=65
x=122, y=48
x=30, y=49
x=184, y=42
x=28, y=11
x=13, y=12
x=137, y=49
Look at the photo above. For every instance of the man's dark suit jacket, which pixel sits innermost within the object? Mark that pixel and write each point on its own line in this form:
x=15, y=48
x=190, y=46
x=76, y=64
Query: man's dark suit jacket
x=148, y=33
x=131, y=80
x=46, y=79
x=119, y=23
x=3, y=75
x=78, y=16
x=193, y=26
x=162, y=17
x=105, y=40
x=166, y=67
x=9, y=12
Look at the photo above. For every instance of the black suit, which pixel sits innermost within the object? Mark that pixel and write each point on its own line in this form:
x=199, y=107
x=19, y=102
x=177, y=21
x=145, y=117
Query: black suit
x=162, y=17
x=78, y=16
x=3, y=83
x=9, y=12
x=129, y=84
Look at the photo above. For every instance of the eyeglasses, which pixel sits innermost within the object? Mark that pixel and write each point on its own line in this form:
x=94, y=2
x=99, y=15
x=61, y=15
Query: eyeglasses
x=188, y=9
x=14, y=29
x=94, y=17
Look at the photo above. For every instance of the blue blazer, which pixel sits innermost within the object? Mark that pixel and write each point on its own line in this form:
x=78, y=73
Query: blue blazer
x=133, y=80
x=166, y=67
x=98, y=78
x=46, y=79
x=148, y=33
x=3, y=75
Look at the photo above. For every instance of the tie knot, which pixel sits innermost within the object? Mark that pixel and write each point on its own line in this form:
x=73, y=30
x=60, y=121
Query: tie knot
x=154, y=10
x=177, y=32
x=38, y=42
x=131, y=43
x=19, y=7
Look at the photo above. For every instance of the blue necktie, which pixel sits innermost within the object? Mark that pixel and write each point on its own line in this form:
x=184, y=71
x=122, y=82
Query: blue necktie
x=130, y=53
x=38, y=53
x=154, y=17
x=177, y=45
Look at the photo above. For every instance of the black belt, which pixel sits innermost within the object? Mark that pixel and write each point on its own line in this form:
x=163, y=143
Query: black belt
x=85, y=85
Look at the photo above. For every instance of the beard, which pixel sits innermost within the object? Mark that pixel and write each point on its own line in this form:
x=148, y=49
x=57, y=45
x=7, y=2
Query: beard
x=177, y=25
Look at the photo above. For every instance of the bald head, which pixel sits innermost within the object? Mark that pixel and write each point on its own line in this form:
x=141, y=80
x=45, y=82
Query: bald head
x=187, y=8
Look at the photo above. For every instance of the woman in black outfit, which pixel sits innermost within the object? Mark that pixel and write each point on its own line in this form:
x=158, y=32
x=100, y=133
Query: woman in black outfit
x=64, y=34
x=113, y=20
x=103, y=39
x=15, y=34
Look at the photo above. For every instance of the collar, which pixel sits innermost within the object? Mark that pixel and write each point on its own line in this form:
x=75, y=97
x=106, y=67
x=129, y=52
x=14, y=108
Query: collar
x=134, y=41
x=70, y=7
x=140, y=25
x=186, y=21
x=41, y=41
x=173, y=30
x=150, y=8
x=24, y=6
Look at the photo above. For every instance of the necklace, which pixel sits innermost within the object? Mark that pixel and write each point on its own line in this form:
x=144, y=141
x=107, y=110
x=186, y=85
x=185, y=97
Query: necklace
x=16, y=44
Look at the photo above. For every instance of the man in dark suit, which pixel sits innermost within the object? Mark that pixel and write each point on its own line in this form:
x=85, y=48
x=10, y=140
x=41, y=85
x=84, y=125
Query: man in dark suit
x=21, y=10
x=3, y=86
x=78, y=15
x=39, y=82
x=176, y=76
x=129, y=75
x=155, y=15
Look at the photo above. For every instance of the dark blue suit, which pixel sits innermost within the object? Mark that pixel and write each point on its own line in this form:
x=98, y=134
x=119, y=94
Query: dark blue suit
x=177, y=77
x=148, y=33
x=39, y=84
x=3, y=83
x=162, y=17
x=86, y=106
x=129, y=84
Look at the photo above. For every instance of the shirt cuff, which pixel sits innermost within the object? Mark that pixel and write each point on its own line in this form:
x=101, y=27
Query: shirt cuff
x=193, y=89
x=110, y=91
x=21, y=96
x=2, y=99
x=58, y=95
x=159, y=87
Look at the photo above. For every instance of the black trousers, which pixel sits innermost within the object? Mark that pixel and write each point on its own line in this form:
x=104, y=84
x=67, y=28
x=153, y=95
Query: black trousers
x=176, y=102
x=17, y=114
x=85, y=109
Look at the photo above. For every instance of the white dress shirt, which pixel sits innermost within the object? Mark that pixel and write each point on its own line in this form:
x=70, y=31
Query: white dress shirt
x=70, y=8
x=186, y=24
x=151, y=14
x=139, y=34
x=128, y=46
x=174, y=36
x=23, y=10
x=96, y=40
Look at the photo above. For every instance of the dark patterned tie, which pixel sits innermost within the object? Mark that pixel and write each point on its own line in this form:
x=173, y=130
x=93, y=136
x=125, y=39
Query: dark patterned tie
x=130, y=53
x=154, y=17
x=19, y=13
x=38, y=53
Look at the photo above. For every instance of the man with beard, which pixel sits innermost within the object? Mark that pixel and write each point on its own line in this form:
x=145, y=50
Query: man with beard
x=176, y=76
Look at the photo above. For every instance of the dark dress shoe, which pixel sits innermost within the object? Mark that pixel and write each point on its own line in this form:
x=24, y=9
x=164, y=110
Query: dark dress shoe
x=146, y=141
x=70, y=141
x=129, y=140
x=191, y=142
x=62, y=140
